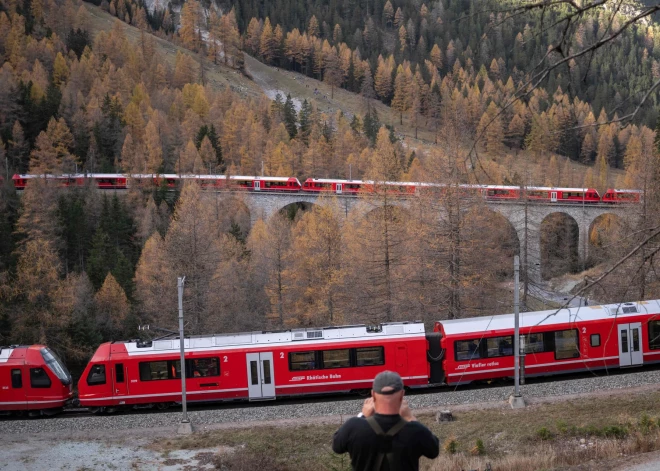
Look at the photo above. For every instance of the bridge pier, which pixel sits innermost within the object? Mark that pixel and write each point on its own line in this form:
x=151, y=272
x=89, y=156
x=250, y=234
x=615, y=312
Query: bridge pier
x=583, y=245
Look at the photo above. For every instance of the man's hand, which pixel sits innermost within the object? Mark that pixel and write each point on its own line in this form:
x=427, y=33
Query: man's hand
x=368, y=407
x=405, y=412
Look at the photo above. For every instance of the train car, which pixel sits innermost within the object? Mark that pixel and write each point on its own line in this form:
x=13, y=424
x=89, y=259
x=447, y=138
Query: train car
x=109, y=181
x=562, y=195
x=498, y=193
x=615, y=196
x=33, y=380
x=554, y=342
x=21, y=181
x=257, y=366
x=327, y=185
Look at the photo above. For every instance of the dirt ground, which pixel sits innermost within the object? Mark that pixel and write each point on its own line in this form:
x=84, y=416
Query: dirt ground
x=163, y=449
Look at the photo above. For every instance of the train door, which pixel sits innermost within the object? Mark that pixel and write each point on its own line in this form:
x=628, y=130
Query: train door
x=257, y=185
x=630, y=344
x=261, y=378
x=339, y=188
x=120, y=380
x=16, y=389
x=401, y=359
x=553, y=196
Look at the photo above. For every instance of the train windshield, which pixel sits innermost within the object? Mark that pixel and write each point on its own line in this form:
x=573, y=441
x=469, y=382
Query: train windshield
x=56, y=365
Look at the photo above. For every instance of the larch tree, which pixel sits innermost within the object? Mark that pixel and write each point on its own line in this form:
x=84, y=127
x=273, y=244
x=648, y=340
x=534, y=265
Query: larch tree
x=191, y=248
x=388, y=14
x=375, y=243
x=493, y=132
x=37, y=282
x=253, y=36
x=313, y=26
x=269, y=245
x=401, y=101
x=436, y=57
x=189, y=160
x=317, y=239
x=111, y=307
x=267, y=42
x=383, y=79
x=191, y=24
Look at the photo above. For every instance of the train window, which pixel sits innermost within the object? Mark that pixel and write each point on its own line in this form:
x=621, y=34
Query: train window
x=119, y=373
x=336, y=358
x=202, y=367
x=16, y=379
x=595, y=340
x=533, y=343
x=369, y=356
x=39, y=378
x=301, y=361
x=266, y=378
x=654, y=335
x=96, y=375
x=499, y=346
x=467, y=350
x=566, y=344
x=155, y=370
x=254, y=373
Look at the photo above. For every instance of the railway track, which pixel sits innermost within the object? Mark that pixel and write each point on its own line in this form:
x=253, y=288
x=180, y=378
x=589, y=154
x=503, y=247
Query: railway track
x=345, y=403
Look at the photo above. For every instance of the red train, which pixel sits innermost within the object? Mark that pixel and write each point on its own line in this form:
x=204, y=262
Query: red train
x=253, y=366
x=114, y=181
x=267, y=365
x=337, y=186
x=33, y=380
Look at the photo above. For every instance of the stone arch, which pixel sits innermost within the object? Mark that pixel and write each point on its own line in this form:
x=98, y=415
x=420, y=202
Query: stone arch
x=602, y=232
x=560, y=241
x=294, y=210
x=365, y=207
x=502, y=236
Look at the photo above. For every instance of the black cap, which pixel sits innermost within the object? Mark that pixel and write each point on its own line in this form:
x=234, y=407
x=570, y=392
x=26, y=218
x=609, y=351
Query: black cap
x=387, y=382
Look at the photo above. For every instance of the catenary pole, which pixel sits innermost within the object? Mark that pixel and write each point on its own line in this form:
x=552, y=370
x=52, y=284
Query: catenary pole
x=516, y=334
x=182, y=367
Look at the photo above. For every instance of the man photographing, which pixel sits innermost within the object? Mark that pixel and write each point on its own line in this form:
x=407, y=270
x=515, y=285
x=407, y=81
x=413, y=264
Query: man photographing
x=385, y=436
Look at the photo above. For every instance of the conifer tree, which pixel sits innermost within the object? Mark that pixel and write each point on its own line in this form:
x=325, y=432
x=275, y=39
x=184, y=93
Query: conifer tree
x=388, y=13
x=290, y=117
x=305, y=120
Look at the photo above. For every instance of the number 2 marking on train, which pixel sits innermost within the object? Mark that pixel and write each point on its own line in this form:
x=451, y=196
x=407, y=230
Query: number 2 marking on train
x=282, y=355
x=584, y=330
x=224, y=359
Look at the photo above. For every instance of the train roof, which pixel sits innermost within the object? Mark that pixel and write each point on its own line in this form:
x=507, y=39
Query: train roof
x=619, y=190
x=5, y=353
x=262, y=338
x=562, y=316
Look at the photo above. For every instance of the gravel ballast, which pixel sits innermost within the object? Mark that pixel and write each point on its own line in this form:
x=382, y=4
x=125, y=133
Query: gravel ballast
x=327, y=406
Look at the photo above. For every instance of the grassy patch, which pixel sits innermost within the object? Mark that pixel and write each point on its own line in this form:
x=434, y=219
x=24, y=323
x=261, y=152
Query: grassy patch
x=547, y=436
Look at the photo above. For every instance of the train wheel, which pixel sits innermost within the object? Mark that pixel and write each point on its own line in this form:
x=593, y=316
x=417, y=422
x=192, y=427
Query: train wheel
x=163, y=405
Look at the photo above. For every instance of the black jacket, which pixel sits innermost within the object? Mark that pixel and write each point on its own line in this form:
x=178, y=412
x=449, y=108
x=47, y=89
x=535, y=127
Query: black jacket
x=358, y=439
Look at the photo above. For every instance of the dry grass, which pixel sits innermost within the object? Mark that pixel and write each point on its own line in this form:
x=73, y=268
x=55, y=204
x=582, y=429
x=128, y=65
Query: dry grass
x=588, y=432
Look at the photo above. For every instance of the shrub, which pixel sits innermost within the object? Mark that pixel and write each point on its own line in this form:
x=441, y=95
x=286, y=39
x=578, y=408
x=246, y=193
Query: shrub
x=562, y=427
x=479, y=448
x=450, y=446
x=646, y=424
x=615, y=431
x=544, y=434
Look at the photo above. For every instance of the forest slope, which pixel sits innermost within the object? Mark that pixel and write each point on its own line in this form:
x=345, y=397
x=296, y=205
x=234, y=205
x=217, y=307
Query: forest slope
x=270, y=80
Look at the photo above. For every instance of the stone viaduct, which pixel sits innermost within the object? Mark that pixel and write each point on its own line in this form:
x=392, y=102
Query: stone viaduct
x=525, y=219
